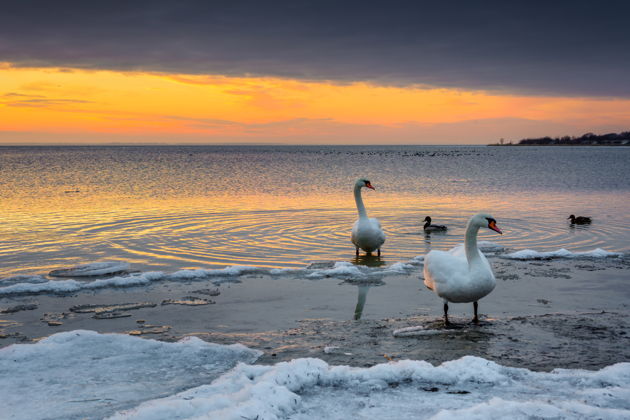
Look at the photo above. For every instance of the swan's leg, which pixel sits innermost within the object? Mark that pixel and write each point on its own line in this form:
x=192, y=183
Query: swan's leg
x=476, y=318
x=379, y=252
x=446, y=314
x=357, y=251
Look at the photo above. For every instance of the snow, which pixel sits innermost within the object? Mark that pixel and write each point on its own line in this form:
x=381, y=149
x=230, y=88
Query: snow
x=469, y=387
x=83, y=374
x=498, y=408
x=71, y=286
x=92, y=269
x=22, y=285
x=420, y=330
x=489, y=246
x=37, y=284
x=417, y=260
x=529, y=254
x=335, y=350
x=231, y=271
x=22, y=279
x=134, y=279
x=400, y=268
x=340, y=269
x=359, y=273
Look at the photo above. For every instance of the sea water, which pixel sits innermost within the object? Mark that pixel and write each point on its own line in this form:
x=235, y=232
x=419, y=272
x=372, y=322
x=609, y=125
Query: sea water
x=182, y=207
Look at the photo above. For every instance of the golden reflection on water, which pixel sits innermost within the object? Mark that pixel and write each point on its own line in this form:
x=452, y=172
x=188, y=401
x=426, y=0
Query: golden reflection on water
x=45, y=231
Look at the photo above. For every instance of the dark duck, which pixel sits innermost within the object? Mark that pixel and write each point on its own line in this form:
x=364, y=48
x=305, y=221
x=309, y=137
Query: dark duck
x=580, y=220
x=428, y=227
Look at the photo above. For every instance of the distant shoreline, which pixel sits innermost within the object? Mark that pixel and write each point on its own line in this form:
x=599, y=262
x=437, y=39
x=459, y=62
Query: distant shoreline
x=574, y=145
x=588, y=139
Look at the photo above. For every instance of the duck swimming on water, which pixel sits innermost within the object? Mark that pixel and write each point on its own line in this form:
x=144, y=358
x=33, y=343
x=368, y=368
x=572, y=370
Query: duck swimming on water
x=428, y=227
x=580, y=220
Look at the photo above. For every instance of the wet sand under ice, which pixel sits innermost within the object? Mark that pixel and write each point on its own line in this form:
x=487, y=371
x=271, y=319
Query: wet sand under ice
x=543, y=314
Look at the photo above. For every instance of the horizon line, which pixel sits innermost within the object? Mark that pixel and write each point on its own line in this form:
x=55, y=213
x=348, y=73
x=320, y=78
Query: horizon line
x=233, y=144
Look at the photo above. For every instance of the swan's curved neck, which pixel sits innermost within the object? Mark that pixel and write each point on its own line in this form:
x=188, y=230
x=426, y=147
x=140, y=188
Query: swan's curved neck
x=359, y=201
x=470, y=243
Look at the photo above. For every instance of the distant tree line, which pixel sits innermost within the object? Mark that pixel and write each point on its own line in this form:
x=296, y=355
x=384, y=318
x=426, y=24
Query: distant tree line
x=610, y=139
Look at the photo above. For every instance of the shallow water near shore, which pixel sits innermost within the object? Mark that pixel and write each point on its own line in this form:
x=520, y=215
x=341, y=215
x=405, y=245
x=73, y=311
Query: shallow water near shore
x=204, y=247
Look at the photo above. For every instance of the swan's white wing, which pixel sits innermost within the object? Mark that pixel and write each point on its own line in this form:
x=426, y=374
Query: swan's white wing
x=458, y=251
x=486, y=264
x=377, y=228
x=355, y=233
x=445, y=273
x=450, y=276
x=367, y=234
x=375, y=222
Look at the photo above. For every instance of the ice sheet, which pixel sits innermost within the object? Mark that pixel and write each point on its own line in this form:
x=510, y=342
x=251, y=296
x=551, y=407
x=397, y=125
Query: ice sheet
x=469, y=387
x=530, y=254
x=83, y=374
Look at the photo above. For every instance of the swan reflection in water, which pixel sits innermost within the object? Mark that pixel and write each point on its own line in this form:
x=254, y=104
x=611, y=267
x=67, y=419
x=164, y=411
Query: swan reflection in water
x=368, y=261
x=358, y=310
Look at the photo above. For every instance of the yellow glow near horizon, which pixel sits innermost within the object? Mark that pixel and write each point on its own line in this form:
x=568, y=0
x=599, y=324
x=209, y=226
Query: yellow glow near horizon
x=214, y=107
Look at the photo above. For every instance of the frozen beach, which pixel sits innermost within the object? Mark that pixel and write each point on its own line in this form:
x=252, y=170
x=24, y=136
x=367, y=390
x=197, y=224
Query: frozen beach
x=196, y=297
x=300, y=327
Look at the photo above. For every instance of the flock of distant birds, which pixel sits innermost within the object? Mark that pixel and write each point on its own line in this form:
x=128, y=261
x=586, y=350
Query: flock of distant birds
x=455, y=276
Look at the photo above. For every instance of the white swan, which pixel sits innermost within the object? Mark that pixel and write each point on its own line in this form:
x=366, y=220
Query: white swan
x=366, y=233
x=462, y=277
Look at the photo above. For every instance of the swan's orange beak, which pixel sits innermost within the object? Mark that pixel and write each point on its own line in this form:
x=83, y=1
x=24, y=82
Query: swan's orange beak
x=492, y=225
x=369, y=185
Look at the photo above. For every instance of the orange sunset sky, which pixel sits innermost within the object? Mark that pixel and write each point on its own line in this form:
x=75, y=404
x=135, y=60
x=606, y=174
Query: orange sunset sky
x=42, y=105
x=71, y=79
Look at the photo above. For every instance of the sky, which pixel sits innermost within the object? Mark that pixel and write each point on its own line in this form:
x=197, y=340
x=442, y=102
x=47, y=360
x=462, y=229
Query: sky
x=311, y=72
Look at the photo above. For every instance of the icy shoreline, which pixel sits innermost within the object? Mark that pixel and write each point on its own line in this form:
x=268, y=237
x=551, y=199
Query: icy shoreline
x=314, y=357
x=82, y=374
x=469, y=387
x=38, y=284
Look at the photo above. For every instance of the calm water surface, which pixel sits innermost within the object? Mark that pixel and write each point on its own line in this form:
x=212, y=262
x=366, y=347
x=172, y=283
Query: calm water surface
x=191, y=207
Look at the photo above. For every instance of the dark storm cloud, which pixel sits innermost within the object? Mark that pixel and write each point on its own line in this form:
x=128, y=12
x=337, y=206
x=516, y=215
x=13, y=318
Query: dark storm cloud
x=566, y=47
